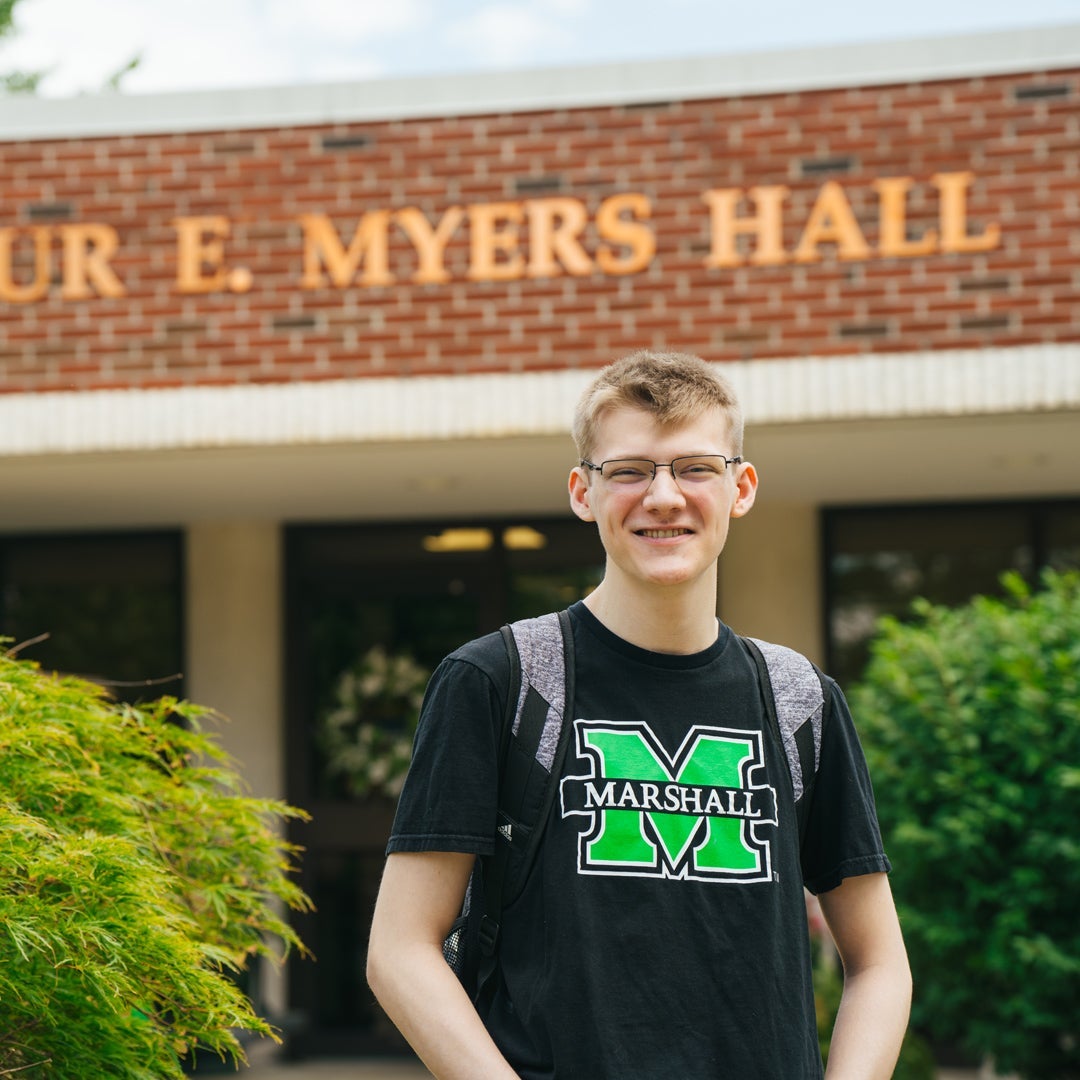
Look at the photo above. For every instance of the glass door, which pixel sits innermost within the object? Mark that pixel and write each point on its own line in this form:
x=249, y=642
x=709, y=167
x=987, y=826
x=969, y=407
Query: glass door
x=361, y=599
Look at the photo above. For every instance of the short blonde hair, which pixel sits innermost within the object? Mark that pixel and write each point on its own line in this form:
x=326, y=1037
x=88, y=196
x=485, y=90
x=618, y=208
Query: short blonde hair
x=673, y=387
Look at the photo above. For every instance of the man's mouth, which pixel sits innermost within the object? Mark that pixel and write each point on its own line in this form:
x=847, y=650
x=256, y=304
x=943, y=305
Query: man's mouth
x=662, y=534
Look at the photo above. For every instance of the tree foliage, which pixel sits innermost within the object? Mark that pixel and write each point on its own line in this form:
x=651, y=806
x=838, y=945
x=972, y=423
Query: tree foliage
x=135, y=876
x=28, y=82
x=15, y=82
x=971, y=719
x=7, y=16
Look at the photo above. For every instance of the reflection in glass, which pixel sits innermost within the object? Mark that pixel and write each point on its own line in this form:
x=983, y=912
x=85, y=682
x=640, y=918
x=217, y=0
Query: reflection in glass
x=880, y=560
x=109, y=608
x=417, y=590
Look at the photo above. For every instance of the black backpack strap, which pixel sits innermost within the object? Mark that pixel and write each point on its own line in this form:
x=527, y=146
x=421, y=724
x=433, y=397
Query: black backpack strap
x=533, y=744
x=551, y=751
x=490, y=873
x=794, y=694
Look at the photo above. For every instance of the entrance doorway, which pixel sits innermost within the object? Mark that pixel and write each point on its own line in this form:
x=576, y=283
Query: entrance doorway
x=414, y=592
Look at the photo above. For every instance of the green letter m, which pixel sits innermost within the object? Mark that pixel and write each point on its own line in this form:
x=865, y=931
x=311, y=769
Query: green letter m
x=693, y=815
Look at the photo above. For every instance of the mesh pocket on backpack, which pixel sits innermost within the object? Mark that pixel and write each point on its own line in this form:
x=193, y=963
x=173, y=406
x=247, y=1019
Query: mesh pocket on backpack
x=454, y=946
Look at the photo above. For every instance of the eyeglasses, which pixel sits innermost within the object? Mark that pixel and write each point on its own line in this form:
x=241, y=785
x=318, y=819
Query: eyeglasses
x=640, y=472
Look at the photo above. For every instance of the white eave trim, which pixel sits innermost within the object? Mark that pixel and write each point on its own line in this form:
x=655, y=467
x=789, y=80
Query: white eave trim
x=1033, y=49
x=774, y=392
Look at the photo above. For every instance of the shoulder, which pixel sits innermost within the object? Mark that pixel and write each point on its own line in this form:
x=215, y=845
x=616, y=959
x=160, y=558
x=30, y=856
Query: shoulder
x=487, y=654
x=482, y=661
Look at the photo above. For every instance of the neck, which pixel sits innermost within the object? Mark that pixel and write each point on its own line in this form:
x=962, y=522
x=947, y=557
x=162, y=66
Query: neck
x=677, y=619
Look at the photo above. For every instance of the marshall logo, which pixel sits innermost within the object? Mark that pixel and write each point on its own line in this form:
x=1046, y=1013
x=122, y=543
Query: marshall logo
x=695, y=815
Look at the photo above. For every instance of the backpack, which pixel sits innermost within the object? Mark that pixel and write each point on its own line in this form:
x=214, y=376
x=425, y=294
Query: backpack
x=532, y=746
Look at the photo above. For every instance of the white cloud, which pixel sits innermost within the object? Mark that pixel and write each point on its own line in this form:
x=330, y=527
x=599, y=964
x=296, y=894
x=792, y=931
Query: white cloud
x=197, y=44
x=359, y=21
x=567, y=7
x=204, y=43
x=507, y=33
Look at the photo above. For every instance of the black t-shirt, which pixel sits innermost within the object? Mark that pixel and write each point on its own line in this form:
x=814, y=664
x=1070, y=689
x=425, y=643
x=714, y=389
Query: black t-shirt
x=662, y=932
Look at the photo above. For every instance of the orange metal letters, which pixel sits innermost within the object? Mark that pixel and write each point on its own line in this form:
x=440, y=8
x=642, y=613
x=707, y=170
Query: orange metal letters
x=430, y=243
x=85, y=270
x=10, y=290
x=554, y=228
x=200, y=253
x=954, y=234
x=494, y=254
x=832, y=221
x=323, y=246
x=766, y=226
x=87, y=250
x=892, y=221
x=508, y=241
x=638, y=239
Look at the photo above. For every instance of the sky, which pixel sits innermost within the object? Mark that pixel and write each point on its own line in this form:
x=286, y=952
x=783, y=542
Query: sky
x=211, y=44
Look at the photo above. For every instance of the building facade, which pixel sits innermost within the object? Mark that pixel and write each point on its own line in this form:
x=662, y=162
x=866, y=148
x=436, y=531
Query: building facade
x=287, y=374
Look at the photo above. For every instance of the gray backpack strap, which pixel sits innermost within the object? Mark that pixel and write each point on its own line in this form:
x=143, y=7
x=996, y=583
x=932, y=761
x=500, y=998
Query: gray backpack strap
x=545, y=655
x=541, y=700
x=799, y=696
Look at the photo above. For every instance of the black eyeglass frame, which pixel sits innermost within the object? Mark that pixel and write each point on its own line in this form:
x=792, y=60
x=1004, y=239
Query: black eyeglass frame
x=728, y=462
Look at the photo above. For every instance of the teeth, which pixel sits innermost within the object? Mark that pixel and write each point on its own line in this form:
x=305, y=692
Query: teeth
x=663, y=534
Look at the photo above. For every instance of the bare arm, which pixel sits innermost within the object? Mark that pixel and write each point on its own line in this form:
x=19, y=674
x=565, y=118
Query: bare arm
x=877, y=981
x=419, y=898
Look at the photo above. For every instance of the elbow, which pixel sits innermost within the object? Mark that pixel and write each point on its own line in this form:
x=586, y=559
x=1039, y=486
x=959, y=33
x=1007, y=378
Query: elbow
x=900, y=973
x=378, y=965
x=907, y=984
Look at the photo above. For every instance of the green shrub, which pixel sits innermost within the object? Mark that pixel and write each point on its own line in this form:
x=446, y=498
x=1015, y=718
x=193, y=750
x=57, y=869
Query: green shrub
x=971, y=721
x=135, y=879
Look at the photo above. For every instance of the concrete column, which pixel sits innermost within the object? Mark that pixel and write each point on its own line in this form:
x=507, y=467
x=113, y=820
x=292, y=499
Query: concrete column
x=771, y=577
x=233, y=647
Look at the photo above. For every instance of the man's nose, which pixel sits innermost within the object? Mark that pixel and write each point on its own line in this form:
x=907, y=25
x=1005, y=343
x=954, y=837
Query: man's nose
x=664, y=488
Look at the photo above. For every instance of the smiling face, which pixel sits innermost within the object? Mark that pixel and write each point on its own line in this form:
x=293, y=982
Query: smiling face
x=664, y=535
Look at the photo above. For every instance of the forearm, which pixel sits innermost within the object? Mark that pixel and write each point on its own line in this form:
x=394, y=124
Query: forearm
x=871, y=1023
x=418, y=900
x=424, y=999
x=876, y=1001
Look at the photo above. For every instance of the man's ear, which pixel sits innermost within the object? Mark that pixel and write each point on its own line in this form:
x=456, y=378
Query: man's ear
x=580, y=493
x=746, y=484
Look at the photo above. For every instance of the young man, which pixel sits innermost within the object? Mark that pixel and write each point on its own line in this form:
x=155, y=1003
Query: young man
x=686, y=955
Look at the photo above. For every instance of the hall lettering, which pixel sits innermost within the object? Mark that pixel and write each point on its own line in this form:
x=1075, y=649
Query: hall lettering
x=508, y=241
x=832, y=221
x=85, y=251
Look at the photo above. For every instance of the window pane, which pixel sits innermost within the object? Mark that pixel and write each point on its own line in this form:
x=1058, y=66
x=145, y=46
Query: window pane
x=420, y=589
x=1062, y=537
x=110, y=605
x=565, y=567
x=881, y=560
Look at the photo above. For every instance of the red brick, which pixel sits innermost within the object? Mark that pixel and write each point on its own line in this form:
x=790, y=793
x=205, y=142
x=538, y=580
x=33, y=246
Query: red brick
x=1024, y=154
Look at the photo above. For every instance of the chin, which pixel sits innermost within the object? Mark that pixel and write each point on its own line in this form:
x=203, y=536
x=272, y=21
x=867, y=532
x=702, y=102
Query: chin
x=672, y=578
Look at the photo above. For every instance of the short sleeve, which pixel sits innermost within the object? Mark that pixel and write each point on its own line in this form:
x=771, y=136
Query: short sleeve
x=450, y=798
x=842, y=837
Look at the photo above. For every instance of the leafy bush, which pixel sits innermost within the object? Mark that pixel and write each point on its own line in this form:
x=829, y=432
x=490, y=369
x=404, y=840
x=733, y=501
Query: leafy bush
x=971, y=720
x=135, y=876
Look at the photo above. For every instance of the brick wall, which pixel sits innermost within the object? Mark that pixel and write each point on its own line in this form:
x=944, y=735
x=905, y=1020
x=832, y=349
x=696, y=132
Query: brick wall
x=247, y=315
